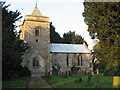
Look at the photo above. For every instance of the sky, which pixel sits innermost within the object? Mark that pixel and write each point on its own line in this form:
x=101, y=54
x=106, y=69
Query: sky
x=65, y=15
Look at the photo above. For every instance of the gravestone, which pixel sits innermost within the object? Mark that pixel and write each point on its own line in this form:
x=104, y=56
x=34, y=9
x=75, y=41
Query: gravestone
x=79, y=76
x=49, y=76
x=66, y=74
x=97, y=82
x=69, y=73
x=62, y=73
x=89, y=78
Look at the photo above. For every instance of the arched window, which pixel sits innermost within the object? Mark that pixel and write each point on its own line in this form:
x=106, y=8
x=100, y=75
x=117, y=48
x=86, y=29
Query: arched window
x=35, y=61
x=80, y=63
x=67, y=60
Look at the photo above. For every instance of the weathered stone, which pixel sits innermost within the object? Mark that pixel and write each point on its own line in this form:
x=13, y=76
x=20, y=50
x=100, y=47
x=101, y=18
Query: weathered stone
x=69, y=73
x=39, y=43
x=97, y=82
x=89, y=78
x=61, y=59
x=66, y=74
x=37, y=49
x=79, y=76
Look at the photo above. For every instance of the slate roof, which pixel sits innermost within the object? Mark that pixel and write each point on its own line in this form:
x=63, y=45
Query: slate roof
x=36, y=12
x=69, y=48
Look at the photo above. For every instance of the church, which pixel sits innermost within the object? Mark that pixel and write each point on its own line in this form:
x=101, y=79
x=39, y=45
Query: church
x=43, y=55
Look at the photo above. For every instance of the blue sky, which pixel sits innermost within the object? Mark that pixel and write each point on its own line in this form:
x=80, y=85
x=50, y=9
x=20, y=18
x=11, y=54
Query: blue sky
x=66, y=15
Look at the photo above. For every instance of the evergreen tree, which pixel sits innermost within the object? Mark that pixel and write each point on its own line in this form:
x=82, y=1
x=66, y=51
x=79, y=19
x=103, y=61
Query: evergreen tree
x=12, y=47
x=54, y=36
x=103, y=20
x=72, y=38
x=67, y=37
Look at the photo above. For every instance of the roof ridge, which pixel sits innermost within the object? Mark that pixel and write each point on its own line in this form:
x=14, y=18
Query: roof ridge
x=66, y=43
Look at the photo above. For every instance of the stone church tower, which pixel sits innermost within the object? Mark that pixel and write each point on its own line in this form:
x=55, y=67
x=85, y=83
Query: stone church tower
x=35, y=31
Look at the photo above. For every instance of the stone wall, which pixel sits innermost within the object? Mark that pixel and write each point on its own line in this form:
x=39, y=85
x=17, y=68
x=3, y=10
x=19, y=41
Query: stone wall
x=39, y=44
x=39, y=47
x=61, y=59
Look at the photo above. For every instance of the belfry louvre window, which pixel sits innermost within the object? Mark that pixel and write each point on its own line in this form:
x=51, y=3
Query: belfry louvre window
x=36, y=32
x=35, y=62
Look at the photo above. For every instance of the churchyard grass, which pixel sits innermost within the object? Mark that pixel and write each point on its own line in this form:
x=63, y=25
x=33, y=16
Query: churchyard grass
x=16, y=83
x=62, y=82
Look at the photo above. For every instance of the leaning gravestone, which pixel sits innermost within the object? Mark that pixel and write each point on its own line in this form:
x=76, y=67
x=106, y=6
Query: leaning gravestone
x=49, y=76
x=69, y=73
x=97, y=82
x=66, y=74
x=79, y=76
x=89, y=78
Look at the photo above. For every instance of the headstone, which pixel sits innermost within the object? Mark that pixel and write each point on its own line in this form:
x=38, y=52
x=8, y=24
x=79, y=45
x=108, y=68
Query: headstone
x=69, y=73
x=62, y=73
x=78, y=76
x=66, y=74
x=89, y=78
x=49, y=76
x=97, y=70
x=92, y=73
x=97, y=82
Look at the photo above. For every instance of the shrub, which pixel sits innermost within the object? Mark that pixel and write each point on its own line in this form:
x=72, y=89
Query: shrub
x=108, y=72
x=24, y=72
x=116, y=73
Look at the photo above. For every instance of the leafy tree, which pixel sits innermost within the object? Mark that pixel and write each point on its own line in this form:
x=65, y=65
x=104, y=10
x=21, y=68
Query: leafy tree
x=12, y=47
x=71, y=37
x=54, y=36
x=77, y=39
x=67, y=37
x=103, y=23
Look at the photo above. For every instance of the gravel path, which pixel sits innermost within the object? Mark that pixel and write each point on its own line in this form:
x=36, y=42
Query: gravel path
x=37, y=82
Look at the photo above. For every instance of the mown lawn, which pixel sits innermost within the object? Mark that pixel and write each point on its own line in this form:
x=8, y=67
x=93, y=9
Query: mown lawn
x=16, y=83
x=62, y=82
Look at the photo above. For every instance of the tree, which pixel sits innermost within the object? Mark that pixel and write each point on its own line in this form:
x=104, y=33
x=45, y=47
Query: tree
x=71, y=37
x=77, y=39
x=54, y=36
x=67, y=37
x=12, y=47
x=103, y=23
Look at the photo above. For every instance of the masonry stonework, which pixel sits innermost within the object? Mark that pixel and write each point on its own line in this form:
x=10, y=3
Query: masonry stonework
x=39, y=44
x=39, y=58
x=61, y=59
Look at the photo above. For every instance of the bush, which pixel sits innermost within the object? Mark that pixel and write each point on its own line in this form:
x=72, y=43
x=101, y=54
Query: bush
x=108, y=72
x=116, y=73
x=24, y=72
